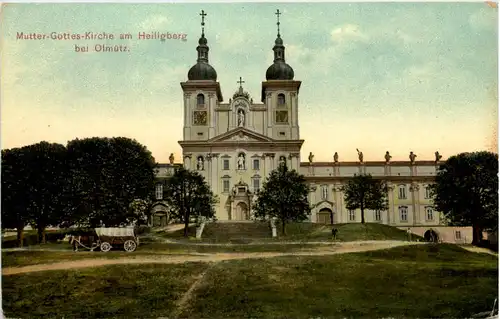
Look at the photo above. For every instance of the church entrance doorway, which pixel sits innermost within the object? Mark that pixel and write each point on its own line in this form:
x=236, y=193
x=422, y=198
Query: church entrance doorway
x=241, y=211
x=325, y=216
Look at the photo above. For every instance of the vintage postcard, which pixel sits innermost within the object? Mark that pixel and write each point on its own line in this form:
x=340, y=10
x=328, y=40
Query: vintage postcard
x=249, y=160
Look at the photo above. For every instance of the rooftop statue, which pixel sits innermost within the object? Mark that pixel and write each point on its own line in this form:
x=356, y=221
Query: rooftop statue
x=438, y=156
x=387, y=157
x=412, y=157
x=360, y=156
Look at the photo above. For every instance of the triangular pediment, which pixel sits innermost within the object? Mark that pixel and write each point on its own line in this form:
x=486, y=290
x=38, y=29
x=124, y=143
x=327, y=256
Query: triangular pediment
x=240, y=134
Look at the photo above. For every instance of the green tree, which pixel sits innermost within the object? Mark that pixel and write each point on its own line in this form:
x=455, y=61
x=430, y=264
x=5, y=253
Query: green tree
x=107, y=175
x=466, y=191
x=188, y=196
x=14, y=191
x=284, y=197
x=47, y=185
x=34, y=180
x=365, y=192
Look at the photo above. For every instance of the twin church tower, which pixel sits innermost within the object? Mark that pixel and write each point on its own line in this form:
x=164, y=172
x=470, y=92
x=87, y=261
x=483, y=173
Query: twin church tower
x=235, y=145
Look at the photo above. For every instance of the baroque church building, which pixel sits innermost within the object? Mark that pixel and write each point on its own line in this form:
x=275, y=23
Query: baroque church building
x=236, y=144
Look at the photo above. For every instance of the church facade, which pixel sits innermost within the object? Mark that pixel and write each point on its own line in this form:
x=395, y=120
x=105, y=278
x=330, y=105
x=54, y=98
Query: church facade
x=236, y=144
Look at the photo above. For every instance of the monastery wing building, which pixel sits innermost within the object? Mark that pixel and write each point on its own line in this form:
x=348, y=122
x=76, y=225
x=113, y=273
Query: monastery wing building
x=236, y=144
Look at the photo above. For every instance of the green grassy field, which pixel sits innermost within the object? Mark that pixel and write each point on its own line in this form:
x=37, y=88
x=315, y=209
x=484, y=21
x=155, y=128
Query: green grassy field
x=252, y=232
x=439, y=281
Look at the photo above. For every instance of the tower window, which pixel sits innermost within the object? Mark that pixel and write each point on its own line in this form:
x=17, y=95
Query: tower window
x=256, y=185
x=200, y=99
x=225, y=185
x=225, y=164
x=281, y=99
x=256, y=164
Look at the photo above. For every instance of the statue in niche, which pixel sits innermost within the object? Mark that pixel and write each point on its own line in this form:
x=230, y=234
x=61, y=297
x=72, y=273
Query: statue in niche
x=282, y=160
x=360, y=156
x=387, y=157
x=412, y=157
x=438, y=156
x=336, y=157
x=241, y=161
x=199, y=165
x=171, y=158
x=241, y=118
x=311, y=157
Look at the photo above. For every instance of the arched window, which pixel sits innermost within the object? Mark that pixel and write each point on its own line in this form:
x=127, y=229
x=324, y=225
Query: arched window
x=281, y=99
x=200, y=99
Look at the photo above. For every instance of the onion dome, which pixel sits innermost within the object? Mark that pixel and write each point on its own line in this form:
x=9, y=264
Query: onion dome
x=202, y=70
x=279, y=70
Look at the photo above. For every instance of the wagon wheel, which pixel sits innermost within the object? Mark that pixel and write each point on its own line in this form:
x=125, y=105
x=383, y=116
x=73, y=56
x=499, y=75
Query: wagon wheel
x=105, y=246
x=130, y=246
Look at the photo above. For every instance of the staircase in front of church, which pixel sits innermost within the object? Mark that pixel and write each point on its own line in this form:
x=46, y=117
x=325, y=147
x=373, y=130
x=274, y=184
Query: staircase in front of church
x=236, y=231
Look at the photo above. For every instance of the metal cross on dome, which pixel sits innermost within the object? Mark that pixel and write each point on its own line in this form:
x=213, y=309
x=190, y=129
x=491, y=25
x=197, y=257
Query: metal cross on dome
x=240, y=82
x=203, y=15
x=278, y=13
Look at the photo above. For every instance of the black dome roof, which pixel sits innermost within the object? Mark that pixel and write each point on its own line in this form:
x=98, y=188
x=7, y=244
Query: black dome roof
x=202, y=71
x=279, y=70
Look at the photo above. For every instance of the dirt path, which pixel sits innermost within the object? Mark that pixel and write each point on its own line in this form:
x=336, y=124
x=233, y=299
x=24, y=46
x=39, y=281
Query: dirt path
x=217, y=257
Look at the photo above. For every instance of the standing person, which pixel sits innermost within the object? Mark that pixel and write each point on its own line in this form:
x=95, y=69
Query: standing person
x=334, y=233
x=408, y=231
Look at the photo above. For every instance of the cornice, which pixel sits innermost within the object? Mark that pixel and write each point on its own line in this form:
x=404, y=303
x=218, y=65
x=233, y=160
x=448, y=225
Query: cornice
x=258, y=144
x=190, y=86
x=369, y=163
x=319, y=179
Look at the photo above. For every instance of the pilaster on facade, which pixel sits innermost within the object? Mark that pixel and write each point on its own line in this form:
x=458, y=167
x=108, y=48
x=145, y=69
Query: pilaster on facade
x=337, y=199
x=391, y=219
x=294, y=161
x=414, y=189
x=312, y=201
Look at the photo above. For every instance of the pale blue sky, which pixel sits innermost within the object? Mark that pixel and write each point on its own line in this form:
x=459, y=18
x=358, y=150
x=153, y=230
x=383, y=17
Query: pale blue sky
x=376, y=76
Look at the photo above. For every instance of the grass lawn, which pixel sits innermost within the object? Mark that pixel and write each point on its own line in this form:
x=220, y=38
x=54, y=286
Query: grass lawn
x=105, y=292
x=439, y=281
x=306, y=231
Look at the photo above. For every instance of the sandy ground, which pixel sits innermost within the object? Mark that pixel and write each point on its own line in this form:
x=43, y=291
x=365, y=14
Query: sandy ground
x=339, y=248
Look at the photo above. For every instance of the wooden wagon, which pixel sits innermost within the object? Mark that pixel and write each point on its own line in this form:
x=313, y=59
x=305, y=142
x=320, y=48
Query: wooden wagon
x=106, y=238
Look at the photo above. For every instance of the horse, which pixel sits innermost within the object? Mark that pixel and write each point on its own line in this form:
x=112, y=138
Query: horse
x=87, y=241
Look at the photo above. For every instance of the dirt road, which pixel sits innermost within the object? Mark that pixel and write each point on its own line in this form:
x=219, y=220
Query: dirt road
x=216, y=257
